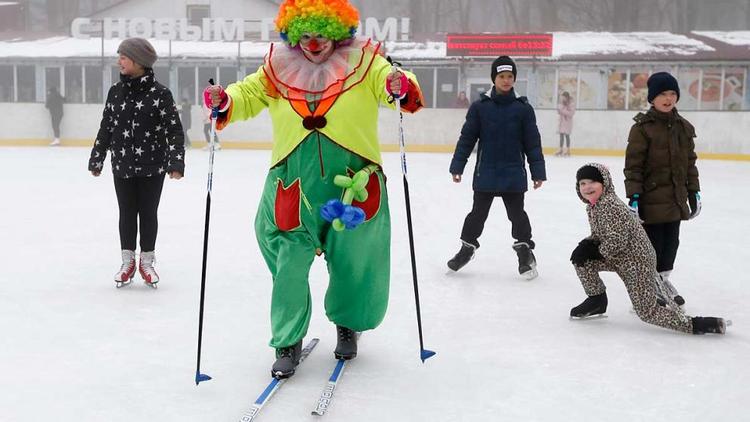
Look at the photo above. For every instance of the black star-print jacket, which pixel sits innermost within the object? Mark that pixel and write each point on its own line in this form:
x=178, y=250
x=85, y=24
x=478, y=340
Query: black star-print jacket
x=141, y=127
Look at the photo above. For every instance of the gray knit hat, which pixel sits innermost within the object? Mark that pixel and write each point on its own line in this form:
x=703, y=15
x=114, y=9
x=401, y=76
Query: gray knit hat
x=139, y=50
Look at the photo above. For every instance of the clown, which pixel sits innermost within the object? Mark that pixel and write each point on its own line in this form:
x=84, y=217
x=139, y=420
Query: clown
x=325, y=192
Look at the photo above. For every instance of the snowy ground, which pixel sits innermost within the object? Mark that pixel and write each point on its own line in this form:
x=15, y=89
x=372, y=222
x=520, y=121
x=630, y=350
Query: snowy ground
x=74, y=348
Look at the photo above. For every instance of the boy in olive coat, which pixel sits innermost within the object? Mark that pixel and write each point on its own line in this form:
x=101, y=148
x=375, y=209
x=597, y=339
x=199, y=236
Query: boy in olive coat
x=661, y=179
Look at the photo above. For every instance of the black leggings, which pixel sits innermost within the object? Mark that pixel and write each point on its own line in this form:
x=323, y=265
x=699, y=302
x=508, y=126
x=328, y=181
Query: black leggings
x=138, y=198
x=474, y=222
x=565, y=137
x=665, y=237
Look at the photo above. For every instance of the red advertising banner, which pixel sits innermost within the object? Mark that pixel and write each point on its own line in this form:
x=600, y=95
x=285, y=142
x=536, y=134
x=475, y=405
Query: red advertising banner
x=476, y=45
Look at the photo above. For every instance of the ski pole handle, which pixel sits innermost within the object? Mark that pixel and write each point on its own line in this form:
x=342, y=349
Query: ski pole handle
x=214, y=110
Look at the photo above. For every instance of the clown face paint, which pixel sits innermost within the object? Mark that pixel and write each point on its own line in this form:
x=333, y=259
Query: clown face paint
x=316, y=47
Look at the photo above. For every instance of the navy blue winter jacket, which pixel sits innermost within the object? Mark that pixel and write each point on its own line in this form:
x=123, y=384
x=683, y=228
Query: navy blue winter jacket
x=506, y=129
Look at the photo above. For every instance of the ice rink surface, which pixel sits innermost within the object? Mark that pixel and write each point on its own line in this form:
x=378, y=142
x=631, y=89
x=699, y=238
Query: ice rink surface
x=74, y=348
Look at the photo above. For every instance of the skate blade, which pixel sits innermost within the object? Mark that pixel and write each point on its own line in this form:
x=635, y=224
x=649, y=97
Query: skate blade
x=152, y=285
x=121, y=284
x=589, y=317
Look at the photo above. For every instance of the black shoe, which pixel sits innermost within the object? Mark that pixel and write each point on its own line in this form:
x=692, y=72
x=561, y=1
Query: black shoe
x=287, y=359
x=346, y=346
x=593, y=305
x=526, y=260
x=463, y=256
x=712, y=325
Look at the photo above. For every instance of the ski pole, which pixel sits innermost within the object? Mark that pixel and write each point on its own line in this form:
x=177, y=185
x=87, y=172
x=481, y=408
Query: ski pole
x=424, y=354
x=199, y=377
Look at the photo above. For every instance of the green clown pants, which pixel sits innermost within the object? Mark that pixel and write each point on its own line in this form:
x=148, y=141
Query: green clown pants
x=290, y=232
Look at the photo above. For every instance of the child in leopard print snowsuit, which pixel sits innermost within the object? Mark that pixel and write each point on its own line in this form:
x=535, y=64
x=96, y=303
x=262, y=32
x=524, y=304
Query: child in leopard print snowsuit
x=619, y=243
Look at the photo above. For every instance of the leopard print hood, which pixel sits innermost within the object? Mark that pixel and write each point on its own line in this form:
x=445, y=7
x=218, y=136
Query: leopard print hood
x=609, y=188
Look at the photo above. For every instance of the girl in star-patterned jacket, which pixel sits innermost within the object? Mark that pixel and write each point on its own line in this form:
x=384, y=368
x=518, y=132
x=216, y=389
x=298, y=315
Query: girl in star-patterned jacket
x=141, y=127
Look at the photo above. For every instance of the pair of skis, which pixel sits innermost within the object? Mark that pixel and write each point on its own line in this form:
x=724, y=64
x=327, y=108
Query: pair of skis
x=325, y=397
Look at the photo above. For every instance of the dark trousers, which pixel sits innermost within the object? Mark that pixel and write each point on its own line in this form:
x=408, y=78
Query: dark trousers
x=138, y=199
x=56, y=125
x=474, y=222
x=564, y=138
x=207, y=133
x=665, y=237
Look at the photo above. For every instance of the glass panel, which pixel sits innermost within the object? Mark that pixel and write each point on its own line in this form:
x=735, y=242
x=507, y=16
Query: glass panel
x=52, y=78
x=521, y=87
x=689, y=79
x=590, y=90
x=185, y=84
x=426, y=79
x=94, y=84
x=545, y=87
x=475, y=89
x=73, y=84
x=227, y=75
x=206, y=73
x=447, y=87
x=26, y=82
x=638, y=99
x=734, y=84
x=711, y=89
x=747, y=90
x=115, y=75
x=616, y=87
x=6, y=84
x=162, y=75
x=567, y=81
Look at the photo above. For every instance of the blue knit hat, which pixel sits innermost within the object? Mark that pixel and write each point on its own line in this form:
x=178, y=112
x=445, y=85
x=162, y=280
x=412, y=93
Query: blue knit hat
x=660, y=82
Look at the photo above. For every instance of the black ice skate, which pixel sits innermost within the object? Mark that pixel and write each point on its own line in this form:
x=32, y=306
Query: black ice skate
x=710, y=325
x=287, y=359
x=346, y=346
x=593, y=306
x=526, y=260
x=670, y=289
x=463, y=256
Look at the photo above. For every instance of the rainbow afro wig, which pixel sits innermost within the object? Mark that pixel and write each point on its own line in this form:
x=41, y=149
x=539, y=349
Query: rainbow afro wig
x=336, y=20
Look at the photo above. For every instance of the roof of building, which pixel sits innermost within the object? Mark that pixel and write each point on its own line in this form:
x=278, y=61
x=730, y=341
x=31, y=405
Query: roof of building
x=567, y=46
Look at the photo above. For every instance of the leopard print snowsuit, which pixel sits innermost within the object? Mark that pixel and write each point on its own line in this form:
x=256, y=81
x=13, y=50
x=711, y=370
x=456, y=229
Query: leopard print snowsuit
x=627, y=251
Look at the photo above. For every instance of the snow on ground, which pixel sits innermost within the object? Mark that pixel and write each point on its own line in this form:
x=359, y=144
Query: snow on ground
x=75, y=348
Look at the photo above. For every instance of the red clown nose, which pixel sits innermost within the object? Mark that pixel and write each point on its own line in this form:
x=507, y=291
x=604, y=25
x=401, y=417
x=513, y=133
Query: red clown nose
x=313, y=45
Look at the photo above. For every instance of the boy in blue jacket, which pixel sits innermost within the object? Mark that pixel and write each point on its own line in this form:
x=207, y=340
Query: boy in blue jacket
x=505, y=126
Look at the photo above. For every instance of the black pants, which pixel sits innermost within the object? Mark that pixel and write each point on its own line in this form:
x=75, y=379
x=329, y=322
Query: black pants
x=474, y=222
x=138, y=198
x=56, y=125
x=564, y=137
x=665, y=237
x=207, y=133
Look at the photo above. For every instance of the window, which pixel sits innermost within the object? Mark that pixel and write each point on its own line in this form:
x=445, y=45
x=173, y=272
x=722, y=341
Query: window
x=161, y=74
x=196, y=13
x=545, y=88
x=689, y=81
x=638, y=94
x=734, y=83
x=521, y=87
x=447, y=84
x=26, y=83
x=6, y=84
x=567, y=81
x=711, y=89
x=185, y=84
x=94, y=84
x=52, y=78
x=227, y=75
x=73, y=84
x=616, y=89
x=426, y=80
x=590, y=89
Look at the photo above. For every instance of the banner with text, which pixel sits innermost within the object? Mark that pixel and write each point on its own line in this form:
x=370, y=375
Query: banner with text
x=482, y=45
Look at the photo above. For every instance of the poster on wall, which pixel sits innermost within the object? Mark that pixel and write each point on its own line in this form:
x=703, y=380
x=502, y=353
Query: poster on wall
x=567, y=81
x=589, y=89
x=710, y=89
x=616, y=87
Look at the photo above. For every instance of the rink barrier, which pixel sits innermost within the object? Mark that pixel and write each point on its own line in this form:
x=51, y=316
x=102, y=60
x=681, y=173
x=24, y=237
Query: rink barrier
x=198, y=145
